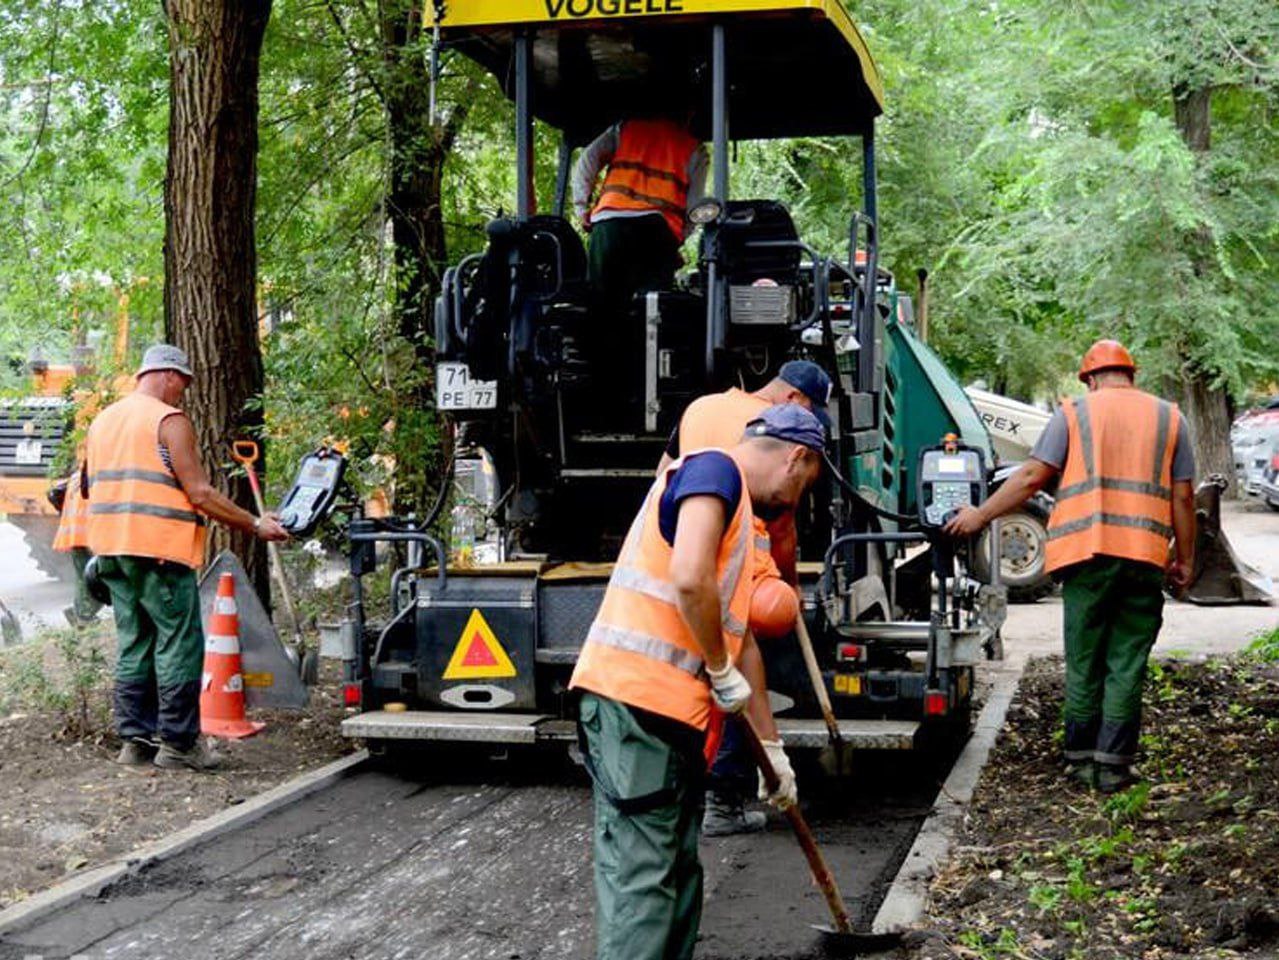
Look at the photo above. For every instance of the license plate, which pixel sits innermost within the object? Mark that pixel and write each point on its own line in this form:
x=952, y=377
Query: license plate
x=27, y=452
x=848, y=684
x=456, y=390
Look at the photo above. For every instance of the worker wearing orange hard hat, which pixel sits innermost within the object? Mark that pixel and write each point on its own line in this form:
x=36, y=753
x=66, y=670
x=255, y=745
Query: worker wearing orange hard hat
x=1126, y=489
x=717, y=421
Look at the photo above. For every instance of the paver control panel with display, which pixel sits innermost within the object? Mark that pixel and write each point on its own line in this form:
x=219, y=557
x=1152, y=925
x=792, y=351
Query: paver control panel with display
x=950, y=477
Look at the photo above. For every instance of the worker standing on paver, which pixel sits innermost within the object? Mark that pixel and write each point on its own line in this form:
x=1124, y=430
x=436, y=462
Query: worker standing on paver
x=717, y=421
x=148, y=498
x=656, y=170
x=73, y=538
x=1127, y=488
x=669, y=643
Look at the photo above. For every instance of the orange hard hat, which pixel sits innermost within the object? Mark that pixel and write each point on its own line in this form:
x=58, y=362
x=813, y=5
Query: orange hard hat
x=774, y=607
x=1106, y=355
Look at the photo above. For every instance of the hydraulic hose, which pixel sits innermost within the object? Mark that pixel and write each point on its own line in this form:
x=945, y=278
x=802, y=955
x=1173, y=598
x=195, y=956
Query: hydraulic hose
x=906, y=519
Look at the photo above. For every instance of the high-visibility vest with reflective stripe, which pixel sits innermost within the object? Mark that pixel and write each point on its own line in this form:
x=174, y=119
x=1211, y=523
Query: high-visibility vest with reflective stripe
x=639, y=651
x=137, y=507
x=1115, y=492
x=649, y=171
x=73, y=525
x=717, y=421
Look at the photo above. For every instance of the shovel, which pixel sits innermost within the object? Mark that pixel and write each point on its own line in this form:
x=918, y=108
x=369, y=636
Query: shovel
x=246, y=453
x=841, y=939
x=836, y=758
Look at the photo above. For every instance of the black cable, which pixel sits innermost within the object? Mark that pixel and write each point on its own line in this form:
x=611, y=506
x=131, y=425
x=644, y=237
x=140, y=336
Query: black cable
x=906, y=519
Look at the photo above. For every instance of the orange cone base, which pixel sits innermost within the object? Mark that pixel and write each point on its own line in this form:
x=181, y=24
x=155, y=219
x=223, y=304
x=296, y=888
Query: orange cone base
x=230, y=729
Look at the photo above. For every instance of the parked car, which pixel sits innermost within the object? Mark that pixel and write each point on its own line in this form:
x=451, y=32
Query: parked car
x=1268, y=488
x=1251, y=438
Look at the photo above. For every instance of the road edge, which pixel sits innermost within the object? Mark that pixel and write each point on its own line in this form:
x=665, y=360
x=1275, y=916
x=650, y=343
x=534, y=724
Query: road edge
x=93, y=882
x=907, y=897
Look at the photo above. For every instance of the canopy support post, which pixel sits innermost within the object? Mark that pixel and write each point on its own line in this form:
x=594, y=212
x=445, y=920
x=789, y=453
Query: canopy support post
x=715, y=303
x=523, y=126
x=870, y=201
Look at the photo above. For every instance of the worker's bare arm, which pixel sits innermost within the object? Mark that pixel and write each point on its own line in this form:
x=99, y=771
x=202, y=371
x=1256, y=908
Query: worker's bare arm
x=1184, y=525
x=698, y=532
x=758, y=709
x=179, y=438
x=665, y=462
x=1030, y=478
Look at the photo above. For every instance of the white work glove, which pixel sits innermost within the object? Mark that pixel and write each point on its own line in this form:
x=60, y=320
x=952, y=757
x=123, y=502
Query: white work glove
x=729, y=688
x=787, y=793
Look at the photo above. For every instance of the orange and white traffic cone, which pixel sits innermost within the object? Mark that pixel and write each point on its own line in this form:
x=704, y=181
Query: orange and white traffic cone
x=222, y=687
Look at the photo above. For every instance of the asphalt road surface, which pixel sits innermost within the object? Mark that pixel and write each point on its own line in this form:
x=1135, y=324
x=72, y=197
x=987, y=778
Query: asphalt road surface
x=392, y=864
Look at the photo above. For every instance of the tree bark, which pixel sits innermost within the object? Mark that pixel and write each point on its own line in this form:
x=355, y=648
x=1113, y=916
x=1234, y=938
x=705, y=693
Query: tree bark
x=210, y=256
x=1206, y=405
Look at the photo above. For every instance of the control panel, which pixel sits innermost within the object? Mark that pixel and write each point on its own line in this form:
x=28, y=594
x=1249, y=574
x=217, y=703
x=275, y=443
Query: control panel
x=951, y=476
x=313, y=492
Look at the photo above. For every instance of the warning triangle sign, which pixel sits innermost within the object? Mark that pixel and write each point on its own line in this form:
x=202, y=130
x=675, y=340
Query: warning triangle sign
x=478, y=654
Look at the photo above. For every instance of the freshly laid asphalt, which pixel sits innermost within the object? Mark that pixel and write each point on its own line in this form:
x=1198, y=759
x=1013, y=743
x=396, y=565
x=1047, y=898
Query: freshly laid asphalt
x=399, y=864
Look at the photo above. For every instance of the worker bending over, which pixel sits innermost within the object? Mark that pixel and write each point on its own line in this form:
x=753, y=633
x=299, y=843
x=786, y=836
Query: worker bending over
x=1127, y=487
x=656, y=170
x=670, y=644
x=148, y=499
x=718, y=421
x=73, y=538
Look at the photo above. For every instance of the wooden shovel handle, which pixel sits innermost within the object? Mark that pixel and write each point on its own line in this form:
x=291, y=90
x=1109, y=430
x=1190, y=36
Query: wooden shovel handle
x=815, y=676
x=822, y=875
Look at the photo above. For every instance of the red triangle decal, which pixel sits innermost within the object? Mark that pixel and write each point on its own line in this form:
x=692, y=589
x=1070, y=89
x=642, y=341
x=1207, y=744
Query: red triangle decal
x=479, y=654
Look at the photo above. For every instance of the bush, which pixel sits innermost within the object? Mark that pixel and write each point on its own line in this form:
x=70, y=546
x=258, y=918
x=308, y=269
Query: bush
x=62, y=672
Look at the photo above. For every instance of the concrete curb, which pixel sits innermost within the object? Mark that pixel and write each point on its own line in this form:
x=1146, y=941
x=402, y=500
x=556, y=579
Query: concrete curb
x=908, y=896
x=93, y=882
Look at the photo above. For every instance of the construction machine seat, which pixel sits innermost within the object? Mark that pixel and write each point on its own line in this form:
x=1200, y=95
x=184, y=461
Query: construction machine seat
x=759, y=242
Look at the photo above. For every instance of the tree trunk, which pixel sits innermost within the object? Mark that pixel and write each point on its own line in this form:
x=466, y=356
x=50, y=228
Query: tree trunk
x=419, y=149
x=210, y=258
x=1206, y=405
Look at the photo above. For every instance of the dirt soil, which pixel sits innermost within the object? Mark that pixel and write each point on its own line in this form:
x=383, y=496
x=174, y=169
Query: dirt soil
x=1183, y=865
x=65, y=806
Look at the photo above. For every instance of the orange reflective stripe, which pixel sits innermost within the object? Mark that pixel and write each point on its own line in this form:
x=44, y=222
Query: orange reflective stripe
x=1116, y=486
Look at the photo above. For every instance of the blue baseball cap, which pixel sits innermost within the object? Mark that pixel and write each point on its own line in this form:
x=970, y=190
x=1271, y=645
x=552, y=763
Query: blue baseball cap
x=810, y=380
x=789, y=422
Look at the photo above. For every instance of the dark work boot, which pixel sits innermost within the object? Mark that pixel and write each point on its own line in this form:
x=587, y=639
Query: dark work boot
x=1112, y=779
x=726, y=815
x=199, y=757
x=1083, y=772
x=137, y=752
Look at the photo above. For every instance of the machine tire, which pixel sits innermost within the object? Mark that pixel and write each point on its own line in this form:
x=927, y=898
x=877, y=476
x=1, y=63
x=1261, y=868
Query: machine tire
x=1024, y=576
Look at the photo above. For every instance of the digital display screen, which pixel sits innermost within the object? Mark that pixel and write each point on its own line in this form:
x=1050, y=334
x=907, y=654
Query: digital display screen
x=320, y=472
x=952, y=465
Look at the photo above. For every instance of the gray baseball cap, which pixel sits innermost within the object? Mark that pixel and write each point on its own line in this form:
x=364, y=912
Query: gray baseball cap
x=165, y=356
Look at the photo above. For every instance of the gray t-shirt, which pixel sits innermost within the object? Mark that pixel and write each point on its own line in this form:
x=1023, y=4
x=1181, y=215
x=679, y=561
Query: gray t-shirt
x=1050, y=448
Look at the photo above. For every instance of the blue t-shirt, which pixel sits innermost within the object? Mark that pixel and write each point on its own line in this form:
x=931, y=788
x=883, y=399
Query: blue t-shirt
x=707, y=473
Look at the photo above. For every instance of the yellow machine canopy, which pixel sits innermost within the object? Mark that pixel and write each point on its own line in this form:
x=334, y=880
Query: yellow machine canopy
x=793, y=67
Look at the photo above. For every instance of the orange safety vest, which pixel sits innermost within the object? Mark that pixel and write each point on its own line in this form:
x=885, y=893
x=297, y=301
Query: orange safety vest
x=649, y=171
x=137, y=507
x=639, y=651
x=73, y=526
x=1115, y=494
x=717, y=421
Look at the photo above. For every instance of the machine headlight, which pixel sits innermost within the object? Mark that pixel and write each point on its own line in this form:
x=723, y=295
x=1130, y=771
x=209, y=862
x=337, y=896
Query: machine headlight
x=706, y=211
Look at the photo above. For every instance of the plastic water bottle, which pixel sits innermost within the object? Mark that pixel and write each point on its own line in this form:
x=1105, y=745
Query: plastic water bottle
x=462, y=540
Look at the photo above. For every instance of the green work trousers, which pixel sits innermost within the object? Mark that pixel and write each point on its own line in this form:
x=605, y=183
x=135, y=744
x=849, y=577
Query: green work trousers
x=1113, y=611
x=648, y=816
x=629, y=254
x=85, y=607
x=161, y=648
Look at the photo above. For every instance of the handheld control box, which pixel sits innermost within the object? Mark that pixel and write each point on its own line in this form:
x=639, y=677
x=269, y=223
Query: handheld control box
x=313, y=492
x=950, y=477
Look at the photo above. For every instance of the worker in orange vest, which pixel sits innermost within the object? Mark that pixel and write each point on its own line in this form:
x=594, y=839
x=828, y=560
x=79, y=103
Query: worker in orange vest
x=1126, y=470
x=656, y=170
x=669, y=644
x=73, y=538
x=718, y=421
x=148, y=500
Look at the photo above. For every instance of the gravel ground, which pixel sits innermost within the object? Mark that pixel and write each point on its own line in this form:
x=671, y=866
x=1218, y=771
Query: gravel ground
x=65, y=806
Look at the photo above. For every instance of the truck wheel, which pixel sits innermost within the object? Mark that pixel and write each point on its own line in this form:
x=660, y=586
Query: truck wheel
x=1025, y=542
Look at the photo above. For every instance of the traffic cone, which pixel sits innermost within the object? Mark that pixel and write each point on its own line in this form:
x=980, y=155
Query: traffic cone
x=222, y=687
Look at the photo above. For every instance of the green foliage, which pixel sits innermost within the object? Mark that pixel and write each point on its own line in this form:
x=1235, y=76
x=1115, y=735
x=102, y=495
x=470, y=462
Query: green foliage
x=1266, y=646
x=63, y=672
